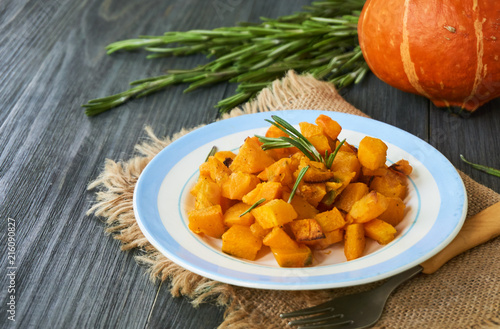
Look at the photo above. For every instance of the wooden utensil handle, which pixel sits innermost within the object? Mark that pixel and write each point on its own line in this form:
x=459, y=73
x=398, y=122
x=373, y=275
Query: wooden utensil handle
x=478, y=229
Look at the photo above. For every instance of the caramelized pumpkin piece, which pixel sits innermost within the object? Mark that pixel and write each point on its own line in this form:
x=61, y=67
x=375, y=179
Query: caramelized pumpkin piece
x=251, y=158
x=239, y=241
x=217, y=170
x=372, y=152
x=274, y=213
x=238, y=184
x=352, y=193
x=346, y=162
x=390, y=185
x=258, y=231
x=279, y=239
x=355, y=242
x=369, y=207
x=303, y=208
x=379, y=231
x=329, y=239
x=232, y=215
x=330, y=220
x=395, y=211
x=266, y=190
x=280, y=171
x=306, y=230
x=298, y=257
x=330, y=127
x=206, y=192
x=207, y=220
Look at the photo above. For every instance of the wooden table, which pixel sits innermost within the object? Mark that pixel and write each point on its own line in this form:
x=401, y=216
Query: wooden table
x=68, y=273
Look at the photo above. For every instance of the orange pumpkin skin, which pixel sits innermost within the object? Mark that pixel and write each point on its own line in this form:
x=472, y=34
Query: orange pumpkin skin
x=447, y=51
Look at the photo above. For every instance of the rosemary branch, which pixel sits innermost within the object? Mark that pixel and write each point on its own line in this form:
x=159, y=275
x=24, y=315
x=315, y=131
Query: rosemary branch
x=486, y=169
x=322, y=41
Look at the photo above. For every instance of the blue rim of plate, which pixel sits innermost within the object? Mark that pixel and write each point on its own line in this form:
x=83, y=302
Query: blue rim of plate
x=451, y=215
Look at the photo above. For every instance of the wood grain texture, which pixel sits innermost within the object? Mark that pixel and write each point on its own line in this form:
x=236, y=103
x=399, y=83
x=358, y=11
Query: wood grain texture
x=69, y=273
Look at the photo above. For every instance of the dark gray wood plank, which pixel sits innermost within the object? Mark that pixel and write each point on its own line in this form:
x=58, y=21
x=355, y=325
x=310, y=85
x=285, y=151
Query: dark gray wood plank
x=476, y=137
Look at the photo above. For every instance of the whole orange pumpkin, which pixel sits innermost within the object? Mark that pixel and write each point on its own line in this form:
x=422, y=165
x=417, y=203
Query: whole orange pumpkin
x=447, y=51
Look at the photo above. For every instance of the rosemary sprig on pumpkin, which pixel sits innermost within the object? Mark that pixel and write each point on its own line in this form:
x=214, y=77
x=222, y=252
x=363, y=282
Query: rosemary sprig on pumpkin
x=297, y=182
x=258, y=202
x=297, y=140
x=321, y=41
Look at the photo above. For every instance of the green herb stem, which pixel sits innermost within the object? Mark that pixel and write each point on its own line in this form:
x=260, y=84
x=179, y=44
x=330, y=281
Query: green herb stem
x=297, y=182
x=488, y=170
x=252, y=207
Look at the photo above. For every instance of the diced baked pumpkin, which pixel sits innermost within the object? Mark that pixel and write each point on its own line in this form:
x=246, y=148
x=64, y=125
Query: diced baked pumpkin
x=330, y=127
x=309, y=129
x=206, y=192
x=251, y=158
x=218, y=171
x=380, y=231
x=306, y=230
x=277, y=154
x=232, y=215
x=238, y=184
x=402, y=166
x=352, y=193
x=303, y=208
x=374, y=172
x=207, y=220
x=274, y=213
x=321, y=143
x=346, y=162
x=312, y=193
x=258, y=231
x=330, y=220
x=369, y=207
x=372, y=152
x=266, y=190
x=279, y=239
x=390, y=185
x=226, y=157
x=299, y=257
x=395, y=211
x=239, y=241
x=354, y=241
x=330, y=238
x=280, y=171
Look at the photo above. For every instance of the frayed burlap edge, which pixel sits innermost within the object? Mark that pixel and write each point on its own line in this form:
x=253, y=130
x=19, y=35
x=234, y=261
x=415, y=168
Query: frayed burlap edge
x=114, y=202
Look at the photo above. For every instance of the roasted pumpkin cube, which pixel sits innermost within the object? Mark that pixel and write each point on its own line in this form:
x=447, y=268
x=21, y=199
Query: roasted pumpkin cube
x=298, y=257
x=321, y=143
x=279, y=239
x=330, y=127
x=303, y=208
x=238, y=184
x=239, y=241
x=354, y=241
x=372, y=152
x=395, y=212
x=381, y=171
x=207, y=220
x=330, y=220
x=330, y=238
x=402, y=166
x=277, y=154
x=309, y=129
x=232, y=215
x=266, y=190
x=251, y=158
x=274, y=213
x=258, y=231
x=380, y=231
x=280, y=171
x=313, y=193
x=218, y=171
x=306, y=230
x=352, y=193
x=390, y=185
x=206, y=192
x=226, y=157
x=317, y=172
x=369, y=207
x=346, y=162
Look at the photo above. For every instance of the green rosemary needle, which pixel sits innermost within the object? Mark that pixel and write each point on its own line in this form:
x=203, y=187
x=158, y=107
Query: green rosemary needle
x=297, y=182
x=252, y=206
x=213, y=150
x=488, y=170
x=321, y=41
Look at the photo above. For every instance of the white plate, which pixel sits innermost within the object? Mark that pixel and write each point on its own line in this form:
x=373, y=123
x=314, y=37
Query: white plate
x=436, y=208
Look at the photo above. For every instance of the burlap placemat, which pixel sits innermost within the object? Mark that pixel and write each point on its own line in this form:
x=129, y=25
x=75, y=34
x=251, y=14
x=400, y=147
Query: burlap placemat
x=465, y=293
